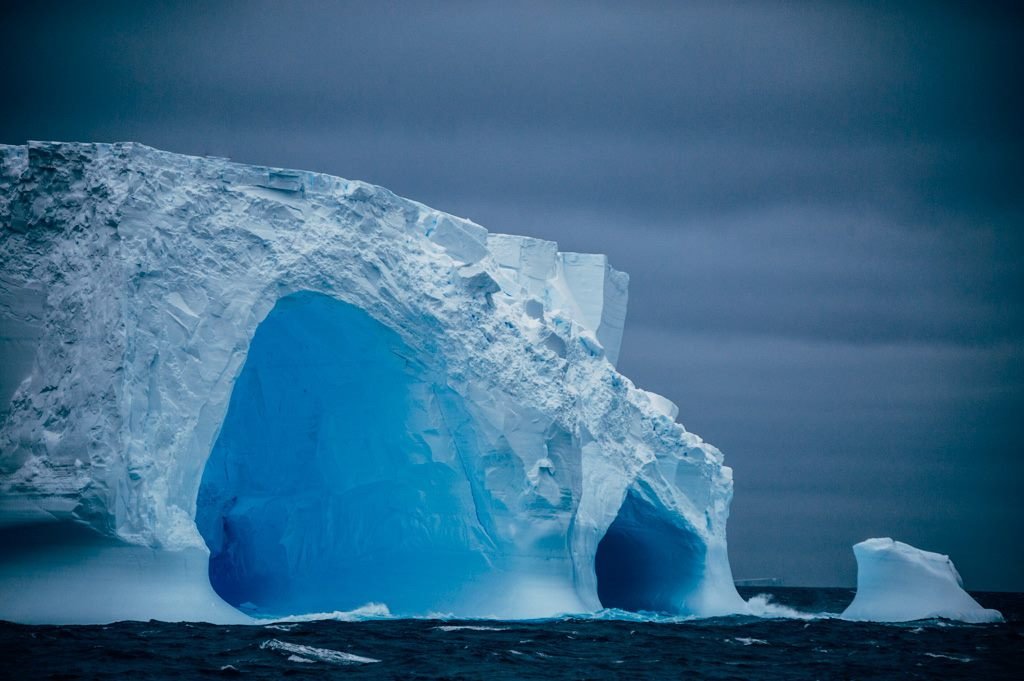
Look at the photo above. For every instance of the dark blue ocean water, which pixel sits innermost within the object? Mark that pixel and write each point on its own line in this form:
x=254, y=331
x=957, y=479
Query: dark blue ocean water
x=719, y=648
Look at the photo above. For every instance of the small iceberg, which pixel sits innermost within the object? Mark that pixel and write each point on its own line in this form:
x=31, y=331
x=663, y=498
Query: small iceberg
x=899, y=583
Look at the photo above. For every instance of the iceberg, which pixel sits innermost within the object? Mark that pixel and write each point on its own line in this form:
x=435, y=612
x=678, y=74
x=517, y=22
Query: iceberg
x=234, y=391
x=899, y=583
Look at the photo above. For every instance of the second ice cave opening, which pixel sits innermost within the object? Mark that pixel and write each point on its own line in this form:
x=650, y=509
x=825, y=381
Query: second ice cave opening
x=646, y=563
x=334, y=481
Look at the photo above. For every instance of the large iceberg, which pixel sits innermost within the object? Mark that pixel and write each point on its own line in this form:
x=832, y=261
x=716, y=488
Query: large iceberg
x=233, y=389
x=899, y=583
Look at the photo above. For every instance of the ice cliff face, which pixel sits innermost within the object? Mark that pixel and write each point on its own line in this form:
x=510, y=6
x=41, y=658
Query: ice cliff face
x=340, y=395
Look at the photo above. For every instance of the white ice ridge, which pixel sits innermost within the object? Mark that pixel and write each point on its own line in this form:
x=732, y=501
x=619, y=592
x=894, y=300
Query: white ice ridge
x=288, y=392
x=899, y=583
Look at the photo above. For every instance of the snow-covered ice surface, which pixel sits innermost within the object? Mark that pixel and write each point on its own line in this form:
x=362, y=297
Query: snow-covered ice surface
x=899, y=583
x=334, y=395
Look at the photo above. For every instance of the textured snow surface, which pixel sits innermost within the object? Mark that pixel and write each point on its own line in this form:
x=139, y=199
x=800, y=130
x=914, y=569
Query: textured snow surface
x=899, y=583
x=342, y=396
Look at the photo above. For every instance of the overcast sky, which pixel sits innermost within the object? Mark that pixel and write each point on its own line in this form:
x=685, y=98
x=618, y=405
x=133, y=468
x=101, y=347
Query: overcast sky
x=820, y=207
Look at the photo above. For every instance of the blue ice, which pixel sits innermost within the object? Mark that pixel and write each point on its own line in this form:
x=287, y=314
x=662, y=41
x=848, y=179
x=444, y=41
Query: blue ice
x=321, y=493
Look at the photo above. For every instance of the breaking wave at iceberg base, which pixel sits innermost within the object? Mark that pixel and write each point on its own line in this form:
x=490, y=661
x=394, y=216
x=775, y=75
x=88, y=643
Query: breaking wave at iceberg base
x=761, y=606
x=370, y=611
x=764, y=605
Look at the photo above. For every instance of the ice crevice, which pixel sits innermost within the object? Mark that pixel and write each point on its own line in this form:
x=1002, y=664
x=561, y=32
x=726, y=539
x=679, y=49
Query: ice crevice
x=297, y=393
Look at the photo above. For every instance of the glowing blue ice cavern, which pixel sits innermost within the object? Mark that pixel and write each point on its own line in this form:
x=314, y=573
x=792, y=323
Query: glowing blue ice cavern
x=320, y=493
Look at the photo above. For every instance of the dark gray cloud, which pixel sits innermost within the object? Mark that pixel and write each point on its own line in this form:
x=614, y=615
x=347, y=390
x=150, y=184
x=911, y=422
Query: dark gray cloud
x=820, y=206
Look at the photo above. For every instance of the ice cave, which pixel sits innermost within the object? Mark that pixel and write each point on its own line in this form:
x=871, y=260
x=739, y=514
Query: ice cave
x=644, y=562
x=321, y=492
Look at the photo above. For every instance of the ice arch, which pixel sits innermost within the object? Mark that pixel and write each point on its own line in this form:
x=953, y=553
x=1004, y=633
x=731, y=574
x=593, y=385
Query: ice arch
x=504, y=404
x=644, y=562
x=331, y=483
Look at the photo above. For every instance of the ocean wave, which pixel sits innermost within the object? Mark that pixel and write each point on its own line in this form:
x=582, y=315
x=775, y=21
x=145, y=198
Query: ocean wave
x=955, y=658
x=370, y=611
x=747, y=641
x=762, y=605
x=309, y=653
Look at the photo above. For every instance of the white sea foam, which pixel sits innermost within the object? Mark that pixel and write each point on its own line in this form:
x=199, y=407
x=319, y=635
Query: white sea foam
x=370, y=611
x=955, y=658
x=627, y=616
x=761, y=605
x=750, y=641
x=322, y=654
